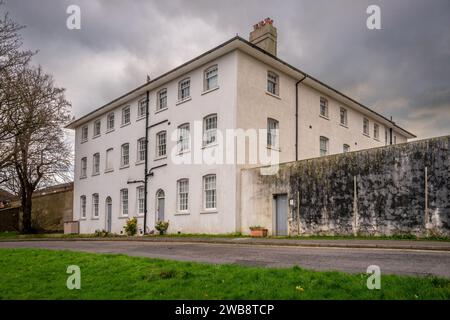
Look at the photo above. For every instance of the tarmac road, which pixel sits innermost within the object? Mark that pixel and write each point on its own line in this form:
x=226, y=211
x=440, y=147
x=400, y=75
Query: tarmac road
x=352, y=260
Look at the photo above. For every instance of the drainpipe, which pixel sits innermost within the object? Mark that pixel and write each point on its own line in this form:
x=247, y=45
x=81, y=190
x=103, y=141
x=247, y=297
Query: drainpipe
x=296, y=116
x=146, y=161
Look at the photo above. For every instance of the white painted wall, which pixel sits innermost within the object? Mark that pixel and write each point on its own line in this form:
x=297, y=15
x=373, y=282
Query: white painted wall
x=220, y=101
x=110, y=183
x=223, y=102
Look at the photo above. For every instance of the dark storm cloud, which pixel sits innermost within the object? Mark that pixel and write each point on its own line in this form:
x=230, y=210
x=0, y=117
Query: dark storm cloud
x=402, y=70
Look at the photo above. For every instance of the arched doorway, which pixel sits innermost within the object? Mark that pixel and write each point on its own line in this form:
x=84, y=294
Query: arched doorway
x=160, y=197
x=108, y=211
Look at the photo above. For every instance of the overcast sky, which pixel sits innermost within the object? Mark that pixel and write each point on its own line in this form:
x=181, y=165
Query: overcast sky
x=401, y=71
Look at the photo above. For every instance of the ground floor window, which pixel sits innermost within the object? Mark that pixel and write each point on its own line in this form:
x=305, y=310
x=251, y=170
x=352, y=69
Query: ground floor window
x=323, y=146
x=124, y=201
x=183, y=194
x=83, y=206
x=209, y=192
x=140, y=199
x=95, y=205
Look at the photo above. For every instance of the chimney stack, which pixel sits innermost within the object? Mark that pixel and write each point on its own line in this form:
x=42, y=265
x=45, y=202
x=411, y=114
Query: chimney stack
x=264, y=35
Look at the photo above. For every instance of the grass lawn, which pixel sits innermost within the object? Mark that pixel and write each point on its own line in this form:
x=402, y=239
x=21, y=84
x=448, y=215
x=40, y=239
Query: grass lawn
x=41, y=274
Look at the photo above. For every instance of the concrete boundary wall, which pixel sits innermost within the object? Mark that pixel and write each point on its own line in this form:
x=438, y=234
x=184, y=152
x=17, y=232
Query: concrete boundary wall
x=399, y=189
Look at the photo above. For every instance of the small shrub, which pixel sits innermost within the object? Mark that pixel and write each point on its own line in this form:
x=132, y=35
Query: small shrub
x=162, y=226
x=102, y=233
x=131, y=227
x=256, y=228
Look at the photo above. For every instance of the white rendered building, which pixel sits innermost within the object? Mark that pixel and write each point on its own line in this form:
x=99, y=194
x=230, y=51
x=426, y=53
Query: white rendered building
x=237, y=85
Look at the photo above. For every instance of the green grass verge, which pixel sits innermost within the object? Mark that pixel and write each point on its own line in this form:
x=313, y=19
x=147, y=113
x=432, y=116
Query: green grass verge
x=41, y=274
x=16, y=235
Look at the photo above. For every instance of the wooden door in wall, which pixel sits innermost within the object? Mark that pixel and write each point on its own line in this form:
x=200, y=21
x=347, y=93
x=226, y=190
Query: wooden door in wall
x=281, y=215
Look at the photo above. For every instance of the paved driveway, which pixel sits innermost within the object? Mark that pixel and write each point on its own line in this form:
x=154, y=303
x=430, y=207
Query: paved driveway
x=391, y=261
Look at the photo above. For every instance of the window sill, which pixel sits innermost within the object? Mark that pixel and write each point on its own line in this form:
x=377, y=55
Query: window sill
x=83, y=177
x=124, y=167
x=210, y=145
x=180, y=153
x=161, y=110
x=376, y=139
x=82, y=219
x=140, y=215
x=273, y=95
x=125, y=124
x=109, y=170
x=122, y=217
x=140, y=118
x=95, y=218
x=210, y=90
x=138, y=163
x=182, y=213
x=110, y=130
x=84, y=141
x=160, y=158
x=209, y=211
x=365, y=134
x=324, y=117
x=96, y=174
x=343, y=125
x=95, y=137
x=183, y=101
x=273, y=148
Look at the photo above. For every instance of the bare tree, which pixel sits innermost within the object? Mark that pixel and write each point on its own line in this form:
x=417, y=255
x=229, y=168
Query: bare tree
x=41, y=155
x=11, y=54
x=13, y=60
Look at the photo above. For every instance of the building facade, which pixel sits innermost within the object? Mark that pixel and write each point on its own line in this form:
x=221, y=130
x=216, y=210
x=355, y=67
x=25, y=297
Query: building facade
x=201, y=115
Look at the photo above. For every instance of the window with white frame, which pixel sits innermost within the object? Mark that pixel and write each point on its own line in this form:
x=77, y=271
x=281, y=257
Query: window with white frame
x=109, y=160
x=183, y=142
x=125, y=155
x=366, y=126
x=83, y=207
x=184, y=88
x=161, y=147
x=385, y=137
x=376, y=131
x=140, y=192
x=97, y=128
x=323, y=146
x=209, y=129
x=96, y=164
x=110, y=122
x=183, y=195
x=272, y=133
x=84, y=133
x=124, y=202
x=211, y=78
x=209, y=192
x=343, y=114
x=162, y=100
x=323, y=107
x=126, y=115
x=272, y=83
x=346, y=148
x=141, y=150
x=142, y=107
x=83, y=172
x=95, y=205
